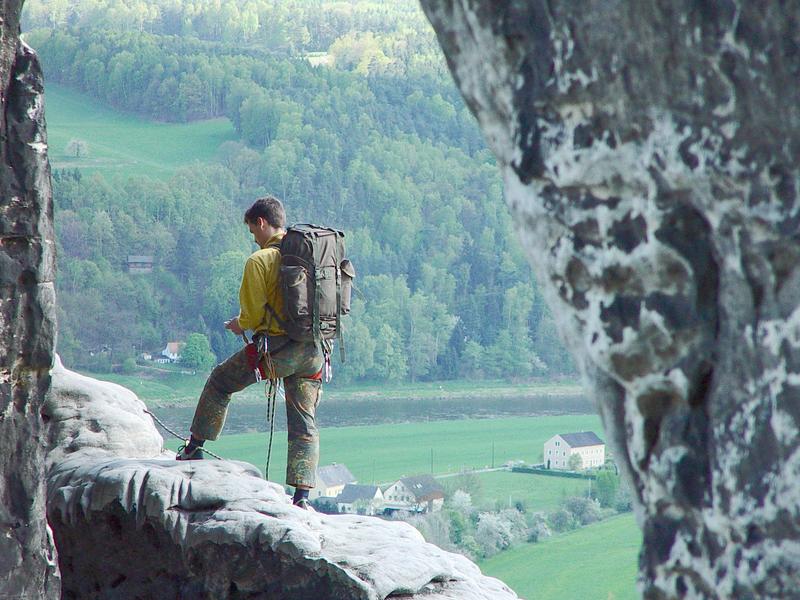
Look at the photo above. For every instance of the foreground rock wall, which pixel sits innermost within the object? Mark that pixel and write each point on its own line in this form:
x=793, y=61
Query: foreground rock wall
x=27, y=556
x=650, y=156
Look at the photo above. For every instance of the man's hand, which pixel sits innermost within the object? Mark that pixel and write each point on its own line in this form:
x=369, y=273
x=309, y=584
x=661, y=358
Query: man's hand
x=233, y=325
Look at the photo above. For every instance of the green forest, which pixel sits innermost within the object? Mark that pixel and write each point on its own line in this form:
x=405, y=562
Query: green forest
x=345, y=111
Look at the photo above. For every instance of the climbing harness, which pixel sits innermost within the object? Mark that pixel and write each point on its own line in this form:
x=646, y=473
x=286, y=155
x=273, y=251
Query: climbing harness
x=260, y=361
x=327, y=348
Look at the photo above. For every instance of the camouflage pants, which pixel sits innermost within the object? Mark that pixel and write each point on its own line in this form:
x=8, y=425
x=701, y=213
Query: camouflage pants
x=296, y=363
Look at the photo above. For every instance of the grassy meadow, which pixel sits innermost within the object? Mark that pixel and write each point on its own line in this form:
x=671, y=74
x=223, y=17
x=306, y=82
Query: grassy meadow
x=503, y=489
x=122, y=143
x=596, y=562
x=383, y=453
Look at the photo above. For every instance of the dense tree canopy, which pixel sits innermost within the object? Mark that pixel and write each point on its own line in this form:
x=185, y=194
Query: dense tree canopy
x=344, y=111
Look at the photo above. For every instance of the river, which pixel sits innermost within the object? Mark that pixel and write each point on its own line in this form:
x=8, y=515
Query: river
x=250, y=417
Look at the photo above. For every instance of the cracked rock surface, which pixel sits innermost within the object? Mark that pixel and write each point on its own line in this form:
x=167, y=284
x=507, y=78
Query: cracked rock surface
x=131, y=522
x=650, y=157
x=28, y=566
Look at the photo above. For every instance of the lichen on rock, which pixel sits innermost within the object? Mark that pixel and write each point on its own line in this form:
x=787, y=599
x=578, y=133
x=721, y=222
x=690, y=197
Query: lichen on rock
x=649, y=152
x=28, y=566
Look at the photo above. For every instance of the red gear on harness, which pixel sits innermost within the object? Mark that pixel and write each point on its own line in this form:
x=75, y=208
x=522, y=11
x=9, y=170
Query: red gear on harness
x=257, y=365
x=254, y=361
x=317, y=377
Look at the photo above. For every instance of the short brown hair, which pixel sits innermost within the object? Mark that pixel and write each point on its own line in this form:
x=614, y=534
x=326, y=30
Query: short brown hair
x=268, y=208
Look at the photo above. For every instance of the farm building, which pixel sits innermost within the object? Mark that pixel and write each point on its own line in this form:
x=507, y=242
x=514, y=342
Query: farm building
x=173, y=351
x=361, y=499
x=140, y=264
x=421, y=493
x=561, y=447
x=331, y=480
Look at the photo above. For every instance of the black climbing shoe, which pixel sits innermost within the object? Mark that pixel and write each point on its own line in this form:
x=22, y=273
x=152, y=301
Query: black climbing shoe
x=185, y=453
x=304, y=504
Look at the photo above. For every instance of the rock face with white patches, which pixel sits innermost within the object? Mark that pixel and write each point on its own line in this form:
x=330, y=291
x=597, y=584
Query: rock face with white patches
x=132, y=522
x=650, y=155
x=27, y=556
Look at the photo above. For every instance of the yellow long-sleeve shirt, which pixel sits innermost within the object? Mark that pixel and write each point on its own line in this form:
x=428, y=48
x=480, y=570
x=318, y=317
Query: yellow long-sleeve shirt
x=259, y=286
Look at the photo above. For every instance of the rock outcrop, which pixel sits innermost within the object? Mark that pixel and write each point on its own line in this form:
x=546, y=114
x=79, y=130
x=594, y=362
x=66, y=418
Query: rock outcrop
x=131, y=522
x=27, y=557
x=650, y=156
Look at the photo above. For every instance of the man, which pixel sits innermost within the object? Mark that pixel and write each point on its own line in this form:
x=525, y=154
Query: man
x=298, y=363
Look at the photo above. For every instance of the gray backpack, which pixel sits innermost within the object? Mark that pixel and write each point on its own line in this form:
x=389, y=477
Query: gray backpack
x=316, y=282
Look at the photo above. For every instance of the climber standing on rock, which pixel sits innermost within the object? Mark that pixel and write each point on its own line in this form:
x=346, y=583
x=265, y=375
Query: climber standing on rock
x=298, y=363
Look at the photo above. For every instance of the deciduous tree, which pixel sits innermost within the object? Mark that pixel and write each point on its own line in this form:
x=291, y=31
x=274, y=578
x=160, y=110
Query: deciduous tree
x=197, y=354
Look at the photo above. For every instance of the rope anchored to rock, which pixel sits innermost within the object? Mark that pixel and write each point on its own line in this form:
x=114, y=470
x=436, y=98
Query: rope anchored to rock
x=163, y=426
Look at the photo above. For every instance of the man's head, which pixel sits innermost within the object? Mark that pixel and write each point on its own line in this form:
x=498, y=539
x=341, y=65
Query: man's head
x=265, y=218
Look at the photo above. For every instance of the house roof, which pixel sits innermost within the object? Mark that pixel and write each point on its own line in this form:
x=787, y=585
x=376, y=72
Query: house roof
x=140, y=259
x=353, y=492
x=424, y=487
x=334, y=474
x=174, y=347
x=581, y=438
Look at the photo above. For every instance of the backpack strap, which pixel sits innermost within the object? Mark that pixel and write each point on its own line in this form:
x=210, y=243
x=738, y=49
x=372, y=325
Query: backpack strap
x=274, y=315
x=338, y=258
x=315, y=322
x=272, y=312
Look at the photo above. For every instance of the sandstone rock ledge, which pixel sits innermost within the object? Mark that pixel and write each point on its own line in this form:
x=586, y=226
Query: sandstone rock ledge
x=130, y=522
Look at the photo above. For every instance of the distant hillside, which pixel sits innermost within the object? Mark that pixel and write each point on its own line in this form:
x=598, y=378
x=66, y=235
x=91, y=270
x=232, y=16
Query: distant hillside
x=377, y=142
x=125, y=144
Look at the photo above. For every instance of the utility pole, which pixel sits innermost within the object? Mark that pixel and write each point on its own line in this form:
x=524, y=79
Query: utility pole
x=493, y=455
x=431, y=461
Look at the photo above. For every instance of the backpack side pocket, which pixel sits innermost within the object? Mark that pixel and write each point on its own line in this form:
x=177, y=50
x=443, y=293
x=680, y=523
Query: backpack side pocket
x=348, y=274
x=296, y=291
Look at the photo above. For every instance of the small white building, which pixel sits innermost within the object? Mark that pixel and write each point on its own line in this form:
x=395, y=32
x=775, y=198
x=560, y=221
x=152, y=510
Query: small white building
x=140, y=264
x=173, y=351
x=359, y=499
x=559, y=448
x=421, y=493
x=331, y=480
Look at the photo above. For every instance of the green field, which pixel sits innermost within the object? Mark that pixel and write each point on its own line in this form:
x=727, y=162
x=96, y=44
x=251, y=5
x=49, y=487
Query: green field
x=122, y=143
x=383, y=453
x=596, y=562
x=158, y=387
x=164, y=387
x=536, y=492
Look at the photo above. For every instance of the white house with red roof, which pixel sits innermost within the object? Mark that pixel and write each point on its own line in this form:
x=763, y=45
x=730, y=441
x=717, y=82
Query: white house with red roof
x=173, y=351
